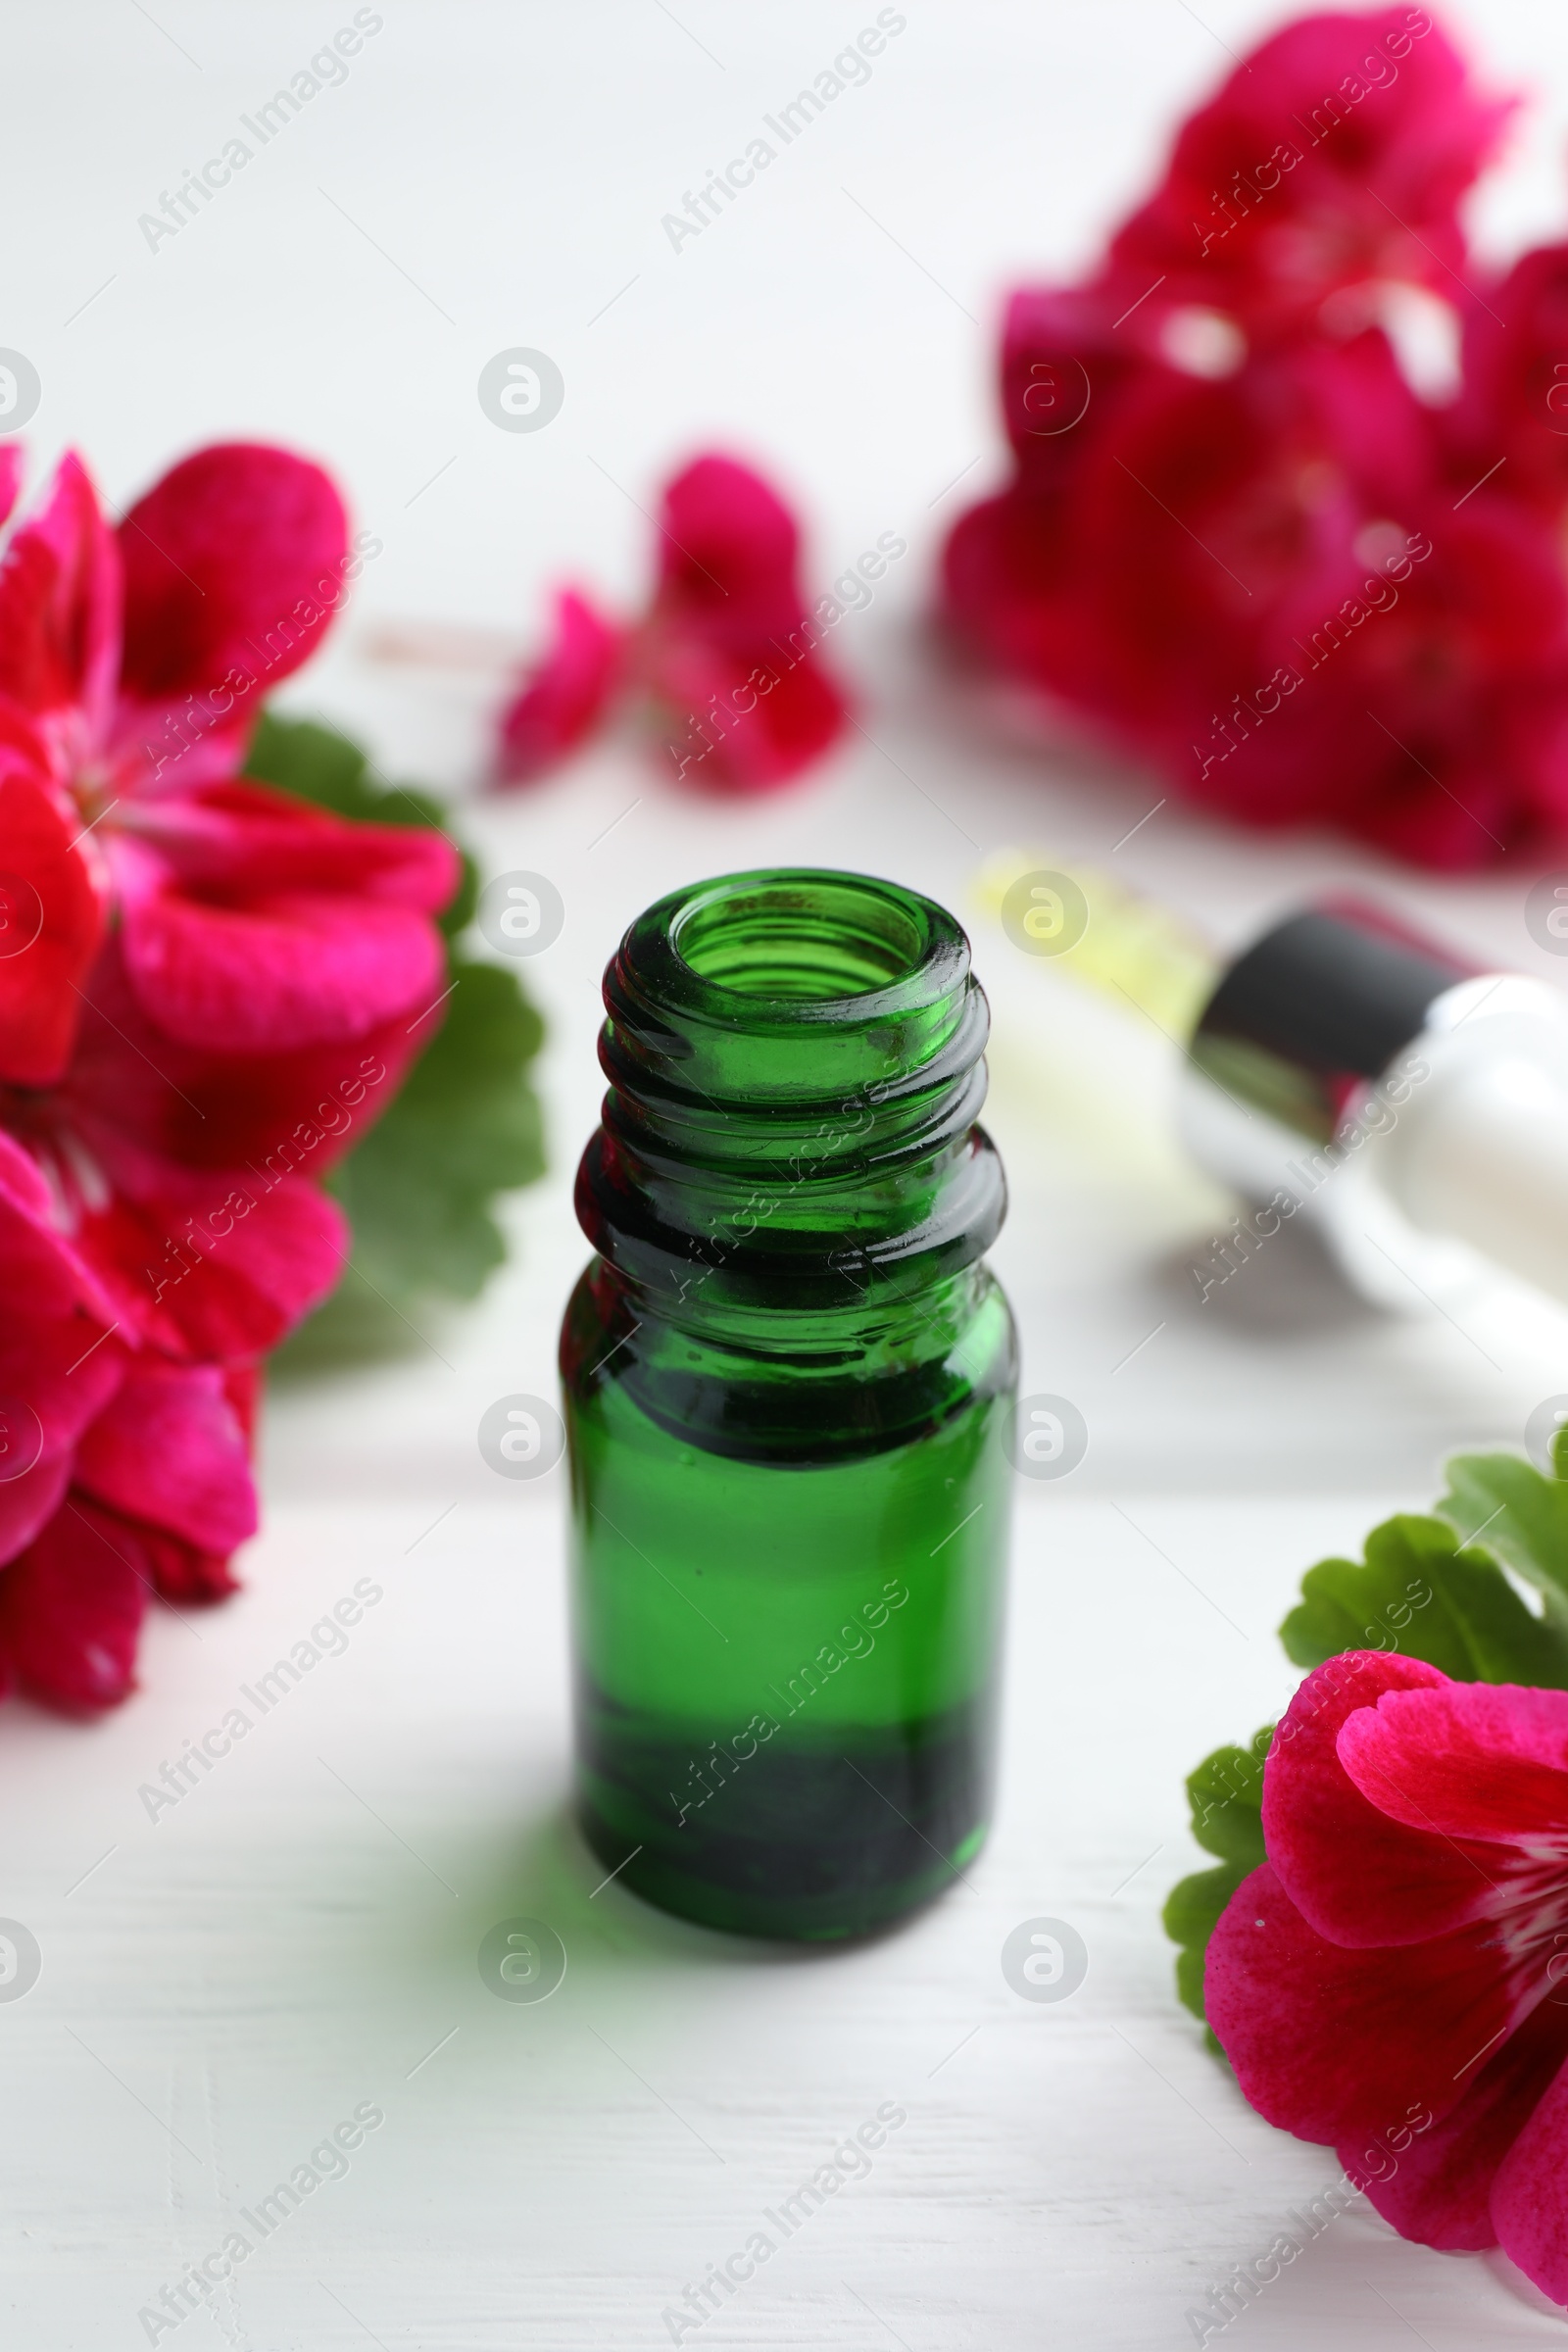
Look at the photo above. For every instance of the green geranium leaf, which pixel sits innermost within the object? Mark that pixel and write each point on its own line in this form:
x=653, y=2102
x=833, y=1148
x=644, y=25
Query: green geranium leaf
x=463, y=1129
x=1501, y=1503
x=1422, y=1593
x=1226, y=1796
x=464, y=1126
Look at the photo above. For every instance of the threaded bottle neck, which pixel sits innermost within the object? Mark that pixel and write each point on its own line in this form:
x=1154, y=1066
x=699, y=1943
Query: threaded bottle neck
x=795, y=1066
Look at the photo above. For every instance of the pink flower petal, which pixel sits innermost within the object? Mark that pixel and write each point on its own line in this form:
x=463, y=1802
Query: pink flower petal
x=1331, y=2043
x=59, y=1365
x=727, y=552
x=53, y=1381
x=1530, y=2194
x=1513, y=397
x=185, y=1574
x=252, y=923
x=210, y=1265
x=1356, y=1874
x=134, y=1096
x=729, y=653
x=562, y=696
x=234, y=561
x=1264, y=585
x=238, y=839
x=44, y=1277
x=284, y=971
x=169, y=1451
x=743, y=729
x=1434, y=2183
x=51, y=920
x=60, y=614
x=1336, y=153
x=1473, y=1761
x=70, y=1611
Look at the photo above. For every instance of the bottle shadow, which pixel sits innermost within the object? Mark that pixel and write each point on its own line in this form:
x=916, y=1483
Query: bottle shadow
x=1288, y=1287
x=608, y=1931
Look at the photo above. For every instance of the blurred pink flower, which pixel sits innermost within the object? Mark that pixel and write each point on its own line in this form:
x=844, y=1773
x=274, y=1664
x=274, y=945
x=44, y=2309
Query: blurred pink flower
x=1235, y=541
x=565, y=695
x=1333, y=158
x=726, y=656
x=1513, y=399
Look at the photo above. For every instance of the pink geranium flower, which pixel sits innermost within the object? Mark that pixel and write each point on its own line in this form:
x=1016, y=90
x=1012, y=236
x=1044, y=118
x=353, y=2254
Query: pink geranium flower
x=1320, y=635
x=197, y=967
x=726, y=657
x=1391, y=1980
x=207, y=991
x=132, y=666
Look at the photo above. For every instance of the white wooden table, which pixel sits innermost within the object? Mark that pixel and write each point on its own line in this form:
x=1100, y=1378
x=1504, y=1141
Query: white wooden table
x=295, y=1940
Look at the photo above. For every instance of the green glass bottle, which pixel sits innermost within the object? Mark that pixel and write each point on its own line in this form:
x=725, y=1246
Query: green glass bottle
x=788, y=1377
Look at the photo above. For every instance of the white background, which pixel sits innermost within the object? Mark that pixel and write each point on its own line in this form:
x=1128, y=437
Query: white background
x=295, y=1937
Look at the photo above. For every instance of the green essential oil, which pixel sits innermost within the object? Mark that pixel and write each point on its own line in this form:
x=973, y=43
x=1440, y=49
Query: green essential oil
x=787, y=1375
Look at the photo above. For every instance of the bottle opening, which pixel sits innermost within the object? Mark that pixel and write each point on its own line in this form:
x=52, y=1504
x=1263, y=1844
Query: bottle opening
x=789, y=985
x=814, y=940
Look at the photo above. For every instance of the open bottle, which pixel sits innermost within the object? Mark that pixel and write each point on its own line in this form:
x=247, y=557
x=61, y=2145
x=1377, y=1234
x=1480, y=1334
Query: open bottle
x=788, y=1380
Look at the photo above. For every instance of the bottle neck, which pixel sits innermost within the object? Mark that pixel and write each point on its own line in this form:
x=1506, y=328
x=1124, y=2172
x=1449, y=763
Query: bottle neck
x=795, y=1066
